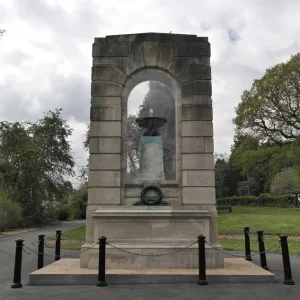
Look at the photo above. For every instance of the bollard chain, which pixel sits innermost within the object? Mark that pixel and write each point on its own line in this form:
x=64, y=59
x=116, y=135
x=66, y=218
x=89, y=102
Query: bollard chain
x=237, y=255
x=53, y=255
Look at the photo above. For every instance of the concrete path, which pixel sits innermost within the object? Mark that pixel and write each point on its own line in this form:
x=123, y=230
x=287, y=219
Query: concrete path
x=266, y=291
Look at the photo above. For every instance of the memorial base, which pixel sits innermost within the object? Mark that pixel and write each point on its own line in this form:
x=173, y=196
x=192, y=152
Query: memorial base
x=151, y=230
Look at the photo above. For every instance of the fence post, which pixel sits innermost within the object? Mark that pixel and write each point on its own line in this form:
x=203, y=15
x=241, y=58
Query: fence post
x=202, y=263
x=41, y=251
x=286, y=260
x=57, y=244
x=18, y=264
x=101, y=266
x=247, y=244
x=262, y=251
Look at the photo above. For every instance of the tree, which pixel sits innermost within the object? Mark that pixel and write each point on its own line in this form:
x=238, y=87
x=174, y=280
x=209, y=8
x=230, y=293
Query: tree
x=270, y=110
x=285, y=182
x=226, y=176
x=35, y=159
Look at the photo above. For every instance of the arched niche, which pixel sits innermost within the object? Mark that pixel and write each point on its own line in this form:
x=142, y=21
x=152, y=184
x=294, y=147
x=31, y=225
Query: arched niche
x=151, y=74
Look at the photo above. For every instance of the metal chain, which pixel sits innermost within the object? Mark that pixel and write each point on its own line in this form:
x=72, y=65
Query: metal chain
x=62, y=255
x=36, y=251
x=256, y=240
x=152, y=255
x=237, y=255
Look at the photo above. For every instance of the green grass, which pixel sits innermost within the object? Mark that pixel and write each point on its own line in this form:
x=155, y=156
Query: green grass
x=273, y=220
x=74, y=234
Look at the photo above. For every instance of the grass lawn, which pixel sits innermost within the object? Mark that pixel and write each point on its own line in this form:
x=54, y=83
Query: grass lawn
x=273, y=220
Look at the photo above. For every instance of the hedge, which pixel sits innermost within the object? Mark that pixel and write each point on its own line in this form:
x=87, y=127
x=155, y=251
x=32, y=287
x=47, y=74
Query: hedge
x=261, y=200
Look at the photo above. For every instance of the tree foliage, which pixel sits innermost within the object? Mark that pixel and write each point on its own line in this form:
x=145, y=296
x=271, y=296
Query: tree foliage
x=270, y=110
x=10, y=212
x=285, y=182
x=35, y=159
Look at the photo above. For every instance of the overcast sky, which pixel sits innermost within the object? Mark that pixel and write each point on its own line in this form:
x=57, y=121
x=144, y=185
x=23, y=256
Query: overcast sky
x=45, y=53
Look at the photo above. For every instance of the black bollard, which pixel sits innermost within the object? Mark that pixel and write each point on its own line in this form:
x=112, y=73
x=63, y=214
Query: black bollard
x=286, y=260
x=262, y=251
x=247, y=244
x=101, y=266
x=41, y=251
x=18, y=264
x=57, y=244
x=202, y=263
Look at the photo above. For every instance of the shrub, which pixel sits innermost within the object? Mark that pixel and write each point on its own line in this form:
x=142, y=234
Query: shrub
x=77, y=203
x=285, y=182
x=10, y=213
x=63, y=213
x=237, y=200
x=261, y=200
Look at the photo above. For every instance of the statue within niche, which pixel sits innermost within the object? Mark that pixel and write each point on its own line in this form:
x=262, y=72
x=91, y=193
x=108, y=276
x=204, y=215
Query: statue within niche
x=158, y=99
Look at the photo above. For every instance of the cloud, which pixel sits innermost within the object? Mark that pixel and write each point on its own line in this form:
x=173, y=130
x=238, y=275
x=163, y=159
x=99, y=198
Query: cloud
x=45, y=54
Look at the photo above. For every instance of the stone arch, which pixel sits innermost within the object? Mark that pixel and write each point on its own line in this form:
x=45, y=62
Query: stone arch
x=119, y=62
x=139, y=76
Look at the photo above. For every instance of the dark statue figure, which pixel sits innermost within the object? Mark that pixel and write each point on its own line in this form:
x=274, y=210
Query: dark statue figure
x=151, y=124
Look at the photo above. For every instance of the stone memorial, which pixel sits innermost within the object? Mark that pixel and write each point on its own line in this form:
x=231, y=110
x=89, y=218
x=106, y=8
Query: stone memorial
x=151, y=214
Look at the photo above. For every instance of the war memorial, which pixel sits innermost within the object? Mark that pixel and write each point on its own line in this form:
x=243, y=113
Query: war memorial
x=152, y=207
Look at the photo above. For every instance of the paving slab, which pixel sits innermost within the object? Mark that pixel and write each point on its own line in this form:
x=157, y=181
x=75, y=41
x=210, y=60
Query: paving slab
x=68, y=272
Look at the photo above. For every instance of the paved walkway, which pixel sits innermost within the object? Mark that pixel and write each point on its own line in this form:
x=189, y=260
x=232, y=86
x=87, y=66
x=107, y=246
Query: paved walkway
x=270, y=291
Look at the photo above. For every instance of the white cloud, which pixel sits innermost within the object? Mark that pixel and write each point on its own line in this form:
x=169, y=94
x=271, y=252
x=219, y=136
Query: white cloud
x=45, y=53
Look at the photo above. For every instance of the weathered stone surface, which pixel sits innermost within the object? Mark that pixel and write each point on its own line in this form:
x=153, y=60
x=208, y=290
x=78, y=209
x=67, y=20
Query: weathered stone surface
x=133, y=192
x=197, y=112
x=171, y=231
x=193, y=145
x=194, y=72
x=198, y=87
x=192, y=49
x=94, y=145
x=172, y=201
x=203, y=178
x=105, y=128
x=197, y=162
x=104, y=178
x=104, y=101
x=197, y=100
x=197, y=128
x=104, y=195
x=153, y=36
x=136, y=55
x=109, y=145
x=105, y=162
x=199, y=195
x=151, y=50
x=109, y=73
x=122, y=63
x=104, y=88
x=209, y=145
x=166, y=53
x=104, y=113
x=102, y=48
x=179, y=63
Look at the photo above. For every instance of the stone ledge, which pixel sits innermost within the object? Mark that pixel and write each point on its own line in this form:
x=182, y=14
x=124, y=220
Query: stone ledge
x=68, y=272
x=141, y=212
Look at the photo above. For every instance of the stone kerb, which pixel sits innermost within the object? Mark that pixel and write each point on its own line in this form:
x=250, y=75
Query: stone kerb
x=184, y=57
